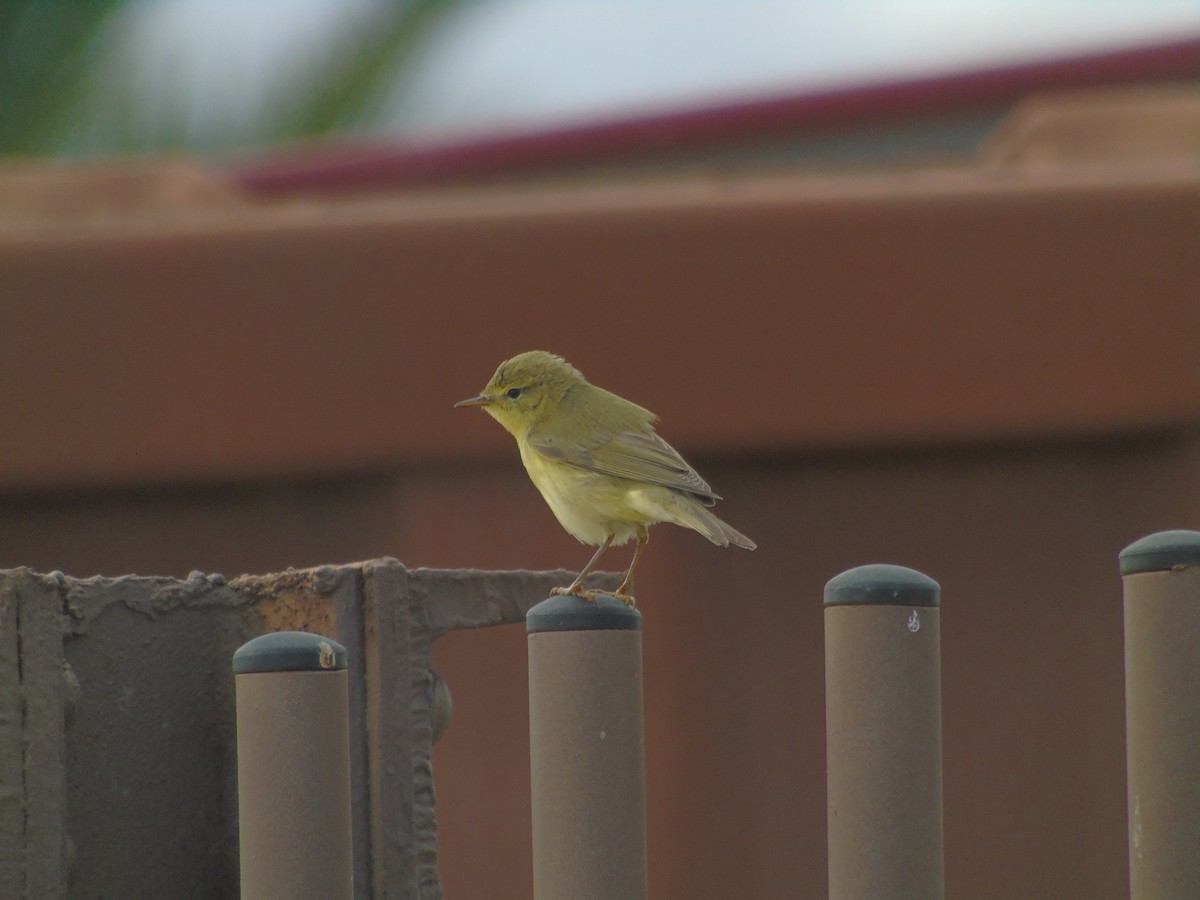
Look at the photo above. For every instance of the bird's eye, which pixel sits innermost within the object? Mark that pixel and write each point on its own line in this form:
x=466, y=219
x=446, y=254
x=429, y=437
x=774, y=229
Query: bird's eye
x=513, y=393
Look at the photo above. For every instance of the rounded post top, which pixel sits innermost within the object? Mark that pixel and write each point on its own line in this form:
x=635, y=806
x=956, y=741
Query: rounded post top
x=1160, y=552
x=570, y=612
x=289, y=651
x=880, y=584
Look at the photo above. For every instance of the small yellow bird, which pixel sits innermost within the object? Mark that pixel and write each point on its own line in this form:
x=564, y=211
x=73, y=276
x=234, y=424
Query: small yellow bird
x=597, y=461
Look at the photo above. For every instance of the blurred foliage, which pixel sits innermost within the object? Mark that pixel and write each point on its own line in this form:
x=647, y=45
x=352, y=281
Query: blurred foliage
x=67, y=87
x=44, y=57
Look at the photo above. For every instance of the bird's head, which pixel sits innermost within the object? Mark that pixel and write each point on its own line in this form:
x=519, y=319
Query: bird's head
x=526, y=389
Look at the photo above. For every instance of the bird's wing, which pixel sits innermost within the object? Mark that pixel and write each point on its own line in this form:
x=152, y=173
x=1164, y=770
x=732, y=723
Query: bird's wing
x=637, y=455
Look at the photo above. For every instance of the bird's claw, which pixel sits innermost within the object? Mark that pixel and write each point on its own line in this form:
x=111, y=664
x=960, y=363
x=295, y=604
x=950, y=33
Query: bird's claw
x=618, y=594
x=578, y=590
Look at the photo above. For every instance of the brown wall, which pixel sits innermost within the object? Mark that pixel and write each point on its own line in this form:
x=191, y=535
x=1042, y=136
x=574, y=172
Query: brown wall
x=984, y=372
x=1023, y=540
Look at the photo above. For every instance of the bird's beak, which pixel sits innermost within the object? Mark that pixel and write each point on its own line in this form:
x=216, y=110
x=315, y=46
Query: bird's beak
x=481, y=400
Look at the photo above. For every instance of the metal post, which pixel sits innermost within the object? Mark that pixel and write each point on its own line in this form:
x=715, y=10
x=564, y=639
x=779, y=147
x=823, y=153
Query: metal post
x=1161, y=577
x=587, y=753
x=883, y=735
x=293, y=745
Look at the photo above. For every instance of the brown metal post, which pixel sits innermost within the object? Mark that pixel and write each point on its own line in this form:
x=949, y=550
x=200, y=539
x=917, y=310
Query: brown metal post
x=293, y=745
x=1161, y=576
x=586, y=752
x=883, y=735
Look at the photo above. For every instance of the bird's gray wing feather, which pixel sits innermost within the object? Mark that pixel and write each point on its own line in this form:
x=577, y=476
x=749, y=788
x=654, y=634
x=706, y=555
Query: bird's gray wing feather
x=638, y=456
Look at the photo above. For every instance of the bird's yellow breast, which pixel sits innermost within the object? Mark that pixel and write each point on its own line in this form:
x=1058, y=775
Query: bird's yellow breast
x=589, y=505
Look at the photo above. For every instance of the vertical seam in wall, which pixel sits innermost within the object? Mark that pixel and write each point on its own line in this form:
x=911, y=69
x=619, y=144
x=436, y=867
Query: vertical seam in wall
x=360, y=670
x=19, y=597
x=420, y=712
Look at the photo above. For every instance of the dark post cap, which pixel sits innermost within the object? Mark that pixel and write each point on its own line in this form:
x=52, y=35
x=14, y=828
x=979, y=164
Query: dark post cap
x=1160, y=552
x=573, y=613
x=882, y=585
x=289, y=651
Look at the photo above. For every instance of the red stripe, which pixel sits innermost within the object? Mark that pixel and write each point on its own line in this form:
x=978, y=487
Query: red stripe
x=333, y=167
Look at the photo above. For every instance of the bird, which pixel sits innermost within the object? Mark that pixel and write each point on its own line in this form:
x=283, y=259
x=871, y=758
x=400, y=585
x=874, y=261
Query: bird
x=598, y=463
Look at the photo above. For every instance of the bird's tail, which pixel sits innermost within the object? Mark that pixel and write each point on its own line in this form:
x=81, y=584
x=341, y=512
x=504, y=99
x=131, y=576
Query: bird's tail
x=720, y=532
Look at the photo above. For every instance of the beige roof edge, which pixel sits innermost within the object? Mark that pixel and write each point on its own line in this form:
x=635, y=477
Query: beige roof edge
x=1112, y=125
x=1081, y=136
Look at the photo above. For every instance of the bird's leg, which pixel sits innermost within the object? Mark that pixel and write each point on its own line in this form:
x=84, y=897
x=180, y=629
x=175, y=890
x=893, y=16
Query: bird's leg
x=576, y=586
x=622, y=593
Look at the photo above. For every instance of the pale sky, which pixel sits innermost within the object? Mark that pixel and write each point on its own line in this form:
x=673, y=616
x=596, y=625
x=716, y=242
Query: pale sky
x=510, y=65
x=532, y=62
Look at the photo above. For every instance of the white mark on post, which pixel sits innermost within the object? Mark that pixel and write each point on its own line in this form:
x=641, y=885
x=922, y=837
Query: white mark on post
x=914, y=622
x=326, y=658
x=1137, y=826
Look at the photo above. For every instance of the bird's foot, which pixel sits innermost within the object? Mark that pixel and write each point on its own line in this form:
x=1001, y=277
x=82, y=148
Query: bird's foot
x=618, y=594
x=578, y=590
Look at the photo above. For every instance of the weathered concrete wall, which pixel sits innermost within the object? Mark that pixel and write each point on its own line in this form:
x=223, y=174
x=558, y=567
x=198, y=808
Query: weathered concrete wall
x=144, y=779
